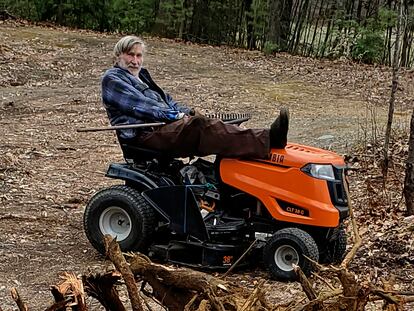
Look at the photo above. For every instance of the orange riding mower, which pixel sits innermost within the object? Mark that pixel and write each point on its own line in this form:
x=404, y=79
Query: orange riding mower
x=277, y=212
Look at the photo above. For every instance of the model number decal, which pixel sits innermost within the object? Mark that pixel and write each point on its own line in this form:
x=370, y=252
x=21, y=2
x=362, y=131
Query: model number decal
x=295, y=210
x=277, y=158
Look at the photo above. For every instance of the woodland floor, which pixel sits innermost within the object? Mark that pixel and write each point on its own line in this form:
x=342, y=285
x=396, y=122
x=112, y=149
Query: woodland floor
x=50, y=86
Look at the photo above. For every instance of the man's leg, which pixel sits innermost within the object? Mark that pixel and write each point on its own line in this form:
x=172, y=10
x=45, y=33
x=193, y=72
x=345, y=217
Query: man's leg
x=279, y=129
x=200, y=136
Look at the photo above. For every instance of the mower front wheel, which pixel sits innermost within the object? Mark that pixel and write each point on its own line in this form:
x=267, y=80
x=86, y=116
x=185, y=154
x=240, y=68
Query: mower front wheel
x=336, y=249
x=121, y=212
x=287, y=247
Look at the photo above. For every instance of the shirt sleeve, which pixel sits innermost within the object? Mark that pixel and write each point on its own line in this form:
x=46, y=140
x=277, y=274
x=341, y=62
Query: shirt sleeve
x=122, y=96
x=178, y=106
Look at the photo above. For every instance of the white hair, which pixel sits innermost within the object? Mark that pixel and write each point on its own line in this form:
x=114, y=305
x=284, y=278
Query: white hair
x=125, y=44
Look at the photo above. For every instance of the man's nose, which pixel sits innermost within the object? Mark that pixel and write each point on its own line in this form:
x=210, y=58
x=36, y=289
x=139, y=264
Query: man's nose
x=135, y=59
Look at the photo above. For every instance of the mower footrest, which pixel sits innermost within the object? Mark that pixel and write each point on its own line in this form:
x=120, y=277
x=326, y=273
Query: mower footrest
x=234, y=230
x=195, y=254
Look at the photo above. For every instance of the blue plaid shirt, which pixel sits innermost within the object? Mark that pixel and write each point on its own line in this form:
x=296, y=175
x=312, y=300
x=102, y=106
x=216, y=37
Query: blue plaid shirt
x=129, y=100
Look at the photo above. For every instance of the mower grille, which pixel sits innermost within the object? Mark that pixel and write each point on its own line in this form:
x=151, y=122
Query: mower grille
x=338, y=194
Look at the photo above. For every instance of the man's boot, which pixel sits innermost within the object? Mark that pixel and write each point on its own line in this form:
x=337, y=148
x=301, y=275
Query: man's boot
x=279, y=130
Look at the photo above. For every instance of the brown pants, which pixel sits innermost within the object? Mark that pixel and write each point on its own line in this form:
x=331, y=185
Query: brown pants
x=200, y=136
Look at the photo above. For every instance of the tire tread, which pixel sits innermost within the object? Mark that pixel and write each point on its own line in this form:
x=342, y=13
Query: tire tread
x=145, y=210
x=298, y=236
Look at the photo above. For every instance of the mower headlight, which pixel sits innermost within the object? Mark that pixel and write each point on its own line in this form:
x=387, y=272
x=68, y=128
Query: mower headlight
x=321, y=171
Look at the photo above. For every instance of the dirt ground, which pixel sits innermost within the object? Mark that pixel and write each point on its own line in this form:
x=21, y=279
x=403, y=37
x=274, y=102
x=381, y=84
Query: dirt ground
x=50, y=86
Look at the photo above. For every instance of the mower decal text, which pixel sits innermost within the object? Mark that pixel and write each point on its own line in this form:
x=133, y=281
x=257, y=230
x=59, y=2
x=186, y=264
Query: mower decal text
x=277, y=158
x=227, y=260
x=296, y=210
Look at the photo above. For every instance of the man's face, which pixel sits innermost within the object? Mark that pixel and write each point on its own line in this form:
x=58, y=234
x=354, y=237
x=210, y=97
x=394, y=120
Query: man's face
x=132, y=61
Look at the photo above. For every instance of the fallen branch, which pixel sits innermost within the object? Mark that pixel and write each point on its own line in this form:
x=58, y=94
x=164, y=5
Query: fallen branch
x=16, y=297
x=307, y=288
x=322, y=297
x=71, y=291
x=357, y=237
x=253, y=298
x=114, y=253
x=59, y=305
x=189, y=279
x=102, y=288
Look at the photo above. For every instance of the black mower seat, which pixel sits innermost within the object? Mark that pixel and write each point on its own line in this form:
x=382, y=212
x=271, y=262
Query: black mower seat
x=139, y=154
x=226, y=229
x=233, y=225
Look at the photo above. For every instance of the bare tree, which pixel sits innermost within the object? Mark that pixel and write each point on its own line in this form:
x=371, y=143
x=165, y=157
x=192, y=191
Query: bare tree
x=395, y=69
x=409, y=172
x=279, y=22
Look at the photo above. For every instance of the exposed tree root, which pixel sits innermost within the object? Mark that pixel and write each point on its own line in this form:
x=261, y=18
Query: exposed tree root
x=102, y=288
x=16, y=297
x=114, y=253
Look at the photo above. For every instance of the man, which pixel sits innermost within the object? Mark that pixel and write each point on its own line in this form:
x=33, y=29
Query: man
x=130, y=96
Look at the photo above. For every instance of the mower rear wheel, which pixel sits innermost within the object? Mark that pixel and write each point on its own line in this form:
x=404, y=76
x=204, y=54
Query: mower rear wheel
x=286, y=247
x=121, y=212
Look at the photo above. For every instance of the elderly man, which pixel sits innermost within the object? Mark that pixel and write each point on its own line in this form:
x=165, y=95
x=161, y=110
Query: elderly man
x=131, y=96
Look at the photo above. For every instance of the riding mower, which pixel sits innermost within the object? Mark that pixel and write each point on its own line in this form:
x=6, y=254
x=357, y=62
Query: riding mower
x=211, y=214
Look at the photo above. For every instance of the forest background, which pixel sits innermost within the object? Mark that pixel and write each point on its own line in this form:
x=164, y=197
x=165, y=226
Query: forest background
x=361, y=30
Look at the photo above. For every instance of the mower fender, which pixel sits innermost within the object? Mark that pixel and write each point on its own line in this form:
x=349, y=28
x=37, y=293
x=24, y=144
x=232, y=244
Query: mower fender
x=125, y=172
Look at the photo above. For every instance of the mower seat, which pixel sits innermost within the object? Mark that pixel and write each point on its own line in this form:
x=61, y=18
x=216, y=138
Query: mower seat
x=226, y=229
x=134, y=154
x=139, y=154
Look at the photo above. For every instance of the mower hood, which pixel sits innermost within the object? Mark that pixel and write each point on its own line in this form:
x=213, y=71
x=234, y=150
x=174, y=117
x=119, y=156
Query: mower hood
x=295, y=155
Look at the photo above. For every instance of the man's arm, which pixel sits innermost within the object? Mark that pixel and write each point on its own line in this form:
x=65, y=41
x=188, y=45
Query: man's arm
x=122, y=96
x=180, y=107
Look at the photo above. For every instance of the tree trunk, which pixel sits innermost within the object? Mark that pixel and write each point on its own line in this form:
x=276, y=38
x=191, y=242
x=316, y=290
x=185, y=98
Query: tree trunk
x=183, y=21
x=325, y=41
x=359, y=11
x=251, y=40
x=406, y=38
x=395, y=68
x=200, y=20
x=308, y=48
x=279, y=22
x=303, y=17
x=316, y=25
x=409, y=172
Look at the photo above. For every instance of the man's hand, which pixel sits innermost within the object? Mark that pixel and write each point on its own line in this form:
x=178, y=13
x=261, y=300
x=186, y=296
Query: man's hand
x=194, y=112
x=174, y=115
